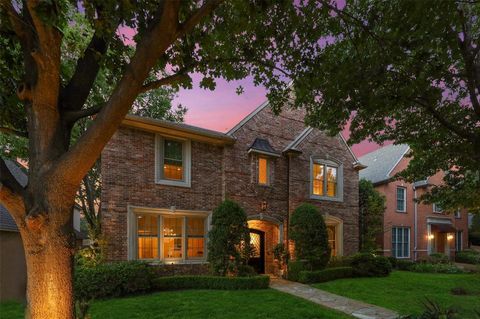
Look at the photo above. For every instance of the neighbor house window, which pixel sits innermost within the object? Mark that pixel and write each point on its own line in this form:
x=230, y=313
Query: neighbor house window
x=263, y=171
x=458, y=214
x=401, y=199
x=401, y=242
x=167, y=237
x=173, y=161
x=459, y=240
x=437, y=208
x=326, y=180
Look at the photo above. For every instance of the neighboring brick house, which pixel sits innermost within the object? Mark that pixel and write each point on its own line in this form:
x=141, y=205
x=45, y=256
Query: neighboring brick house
x=162, y=180
x=412, y=230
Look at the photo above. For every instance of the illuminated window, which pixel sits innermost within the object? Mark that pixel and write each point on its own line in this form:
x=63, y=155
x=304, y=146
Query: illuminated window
x=332, y=235
x=326, y=180
x=167, y=237
x=173, y=161
x=263, y=171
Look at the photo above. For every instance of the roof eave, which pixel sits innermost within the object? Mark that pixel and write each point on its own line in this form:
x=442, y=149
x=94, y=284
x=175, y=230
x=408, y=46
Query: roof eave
x=252, y=150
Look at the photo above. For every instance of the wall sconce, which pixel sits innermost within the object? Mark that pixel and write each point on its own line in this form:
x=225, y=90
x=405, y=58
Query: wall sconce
x=431, y=236
x=263, y=205
x=449, y=237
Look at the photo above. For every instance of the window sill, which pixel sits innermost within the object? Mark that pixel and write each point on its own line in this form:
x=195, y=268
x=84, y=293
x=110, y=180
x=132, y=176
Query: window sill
x=401, y=212
x=174, y=262
x=173, y=183
x=326, y=198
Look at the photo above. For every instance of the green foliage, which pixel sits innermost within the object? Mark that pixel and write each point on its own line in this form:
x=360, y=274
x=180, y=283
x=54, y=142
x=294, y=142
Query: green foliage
x=436, y=268
x=369, y=265
x=404, y=264
x=371, y=206
x=329, y=274
x=281, y=254
x=474, y=238
x=339, y=261
x=309, y=233
x=210, y=282
x=112, y=280
x=438, y=258
x=227, y=248
x=295, y=267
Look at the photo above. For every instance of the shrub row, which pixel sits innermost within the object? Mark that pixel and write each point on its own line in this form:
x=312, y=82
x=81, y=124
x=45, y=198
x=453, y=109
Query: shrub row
x=436, y=268
x=112, y=280
x=468, y=257
x=329, y=274
x=369, y=265
x=210, y=282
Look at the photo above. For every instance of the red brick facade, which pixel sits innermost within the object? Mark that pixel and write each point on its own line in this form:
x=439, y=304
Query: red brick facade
x=230, y=171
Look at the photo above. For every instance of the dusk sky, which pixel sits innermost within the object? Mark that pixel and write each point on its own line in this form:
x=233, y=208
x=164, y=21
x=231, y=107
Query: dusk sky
x=221, y=109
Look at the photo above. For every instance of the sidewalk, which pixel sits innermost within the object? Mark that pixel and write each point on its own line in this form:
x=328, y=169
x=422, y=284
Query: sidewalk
x=352, y=307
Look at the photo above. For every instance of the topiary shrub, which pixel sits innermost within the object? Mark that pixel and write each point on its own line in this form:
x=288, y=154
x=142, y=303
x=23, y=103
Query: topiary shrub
x=112, y=280
x=369, y=265
x=309, y=233
x=329, y=274
x=229, y=239
x=210, y=282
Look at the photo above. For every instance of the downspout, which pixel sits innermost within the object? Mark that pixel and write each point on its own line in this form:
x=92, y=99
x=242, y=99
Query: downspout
x=288, y=203
x=415, y=214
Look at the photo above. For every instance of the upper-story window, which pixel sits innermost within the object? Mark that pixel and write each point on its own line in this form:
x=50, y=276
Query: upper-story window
x=401, y=199
x=326, y=180
x=263, y=171
x=173, y=161
x=458, y=214
x=437, y=208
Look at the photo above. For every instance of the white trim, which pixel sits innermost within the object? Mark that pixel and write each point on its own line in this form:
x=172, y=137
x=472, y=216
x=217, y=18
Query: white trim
x=247, y=118
x=339, y=167
x=398, y=161
x=401, y=241
x=434, y=209
x=187, y=161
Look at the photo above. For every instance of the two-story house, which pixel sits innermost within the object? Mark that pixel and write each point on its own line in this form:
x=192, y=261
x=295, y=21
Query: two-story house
x=412, y=230
x=162, y=180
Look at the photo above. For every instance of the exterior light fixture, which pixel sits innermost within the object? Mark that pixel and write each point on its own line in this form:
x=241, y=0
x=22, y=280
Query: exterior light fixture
x=449, y=237
x=431, y=236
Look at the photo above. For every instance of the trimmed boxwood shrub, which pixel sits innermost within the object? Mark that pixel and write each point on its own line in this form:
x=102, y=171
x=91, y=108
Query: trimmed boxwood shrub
x=112, y=280
x=404, y=264
x=309, y=233
x=468, y=257
x=295, y=267
x=436, y=268
x=329, y=274
x=369, y=265
x=210, y=282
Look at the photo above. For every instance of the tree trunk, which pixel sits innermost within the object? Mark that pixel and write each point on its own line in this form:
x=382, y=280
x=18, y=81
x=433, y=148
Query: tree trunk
x=49, y=258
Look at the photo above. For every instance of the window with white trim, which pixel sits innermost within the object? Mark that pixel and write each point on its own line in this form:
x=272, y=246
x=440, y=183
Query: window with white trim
x=169, y=237
x=401, y=242
x=437, y=208
x=401, y=199
x=458, y=214
x=459, y=240
x=263, y=171
x=326, y=180
x=173, y=161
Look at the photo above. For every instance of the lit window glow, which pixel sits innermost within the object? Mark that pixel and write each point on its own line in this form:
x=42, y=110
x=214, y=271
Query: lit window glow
x=262, y=171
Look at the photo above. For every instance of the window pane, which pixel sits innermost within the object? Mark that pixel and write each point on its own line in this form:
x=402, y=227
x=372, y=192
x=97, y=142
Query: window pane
x=195, y=247
x=400, y=199
x=331, y=240
x=172, y=226
x=196, y=226
x=262, y=171
x=317, y=179
x=331, y=181
x=147, y=247
x=147, y=225
x=172, y=160
x=172, y=247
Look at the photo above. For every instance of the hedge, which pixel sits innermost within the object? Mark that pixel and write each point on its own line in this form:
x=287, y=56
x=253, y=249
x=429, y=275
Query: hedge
x=309, y=277
x=468, y=257
x=210, y=282
x=294, y=269
x=369, y=265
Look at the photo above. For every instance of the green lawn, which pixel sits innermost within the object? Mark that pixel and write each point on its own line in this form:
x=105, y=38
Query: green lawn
x=404, y=291
x=266, y=303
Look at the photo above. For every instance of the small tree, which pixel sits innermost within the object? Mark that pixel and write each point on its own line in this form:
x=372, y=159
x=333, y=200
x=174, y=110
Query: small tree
x=229, y=244
x=309, y=232
x=372, y=207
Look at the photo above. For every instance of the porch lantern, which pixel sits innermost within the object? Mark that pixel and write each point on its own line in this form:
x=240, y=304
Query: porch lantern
x=449, y=237
x=431, y=236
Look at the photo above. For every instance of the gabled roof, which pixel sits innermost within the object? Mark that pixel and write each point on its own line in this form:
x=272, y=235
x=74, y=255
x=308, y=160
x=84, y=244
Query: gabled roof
x=380, y=163
x=177, y=129
x=6, y=221
x=262, y=146
x=248, y=118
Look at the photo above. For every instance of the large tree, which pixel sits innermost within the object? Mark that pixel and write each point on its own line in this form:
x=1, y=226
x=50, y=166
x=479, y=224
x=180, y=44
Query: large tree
x=409, y=72
x=42, y=99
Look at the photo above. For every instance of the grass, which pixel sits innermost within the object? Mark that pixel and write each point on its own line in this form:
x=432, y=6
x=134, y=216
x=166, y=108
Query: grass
x=194, y=304
x=405, y=291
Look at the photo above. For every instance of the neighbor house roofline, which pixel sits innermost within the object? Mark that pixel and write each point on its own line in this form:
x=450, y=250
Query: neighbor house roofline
x=178, y=130
x=398, y=161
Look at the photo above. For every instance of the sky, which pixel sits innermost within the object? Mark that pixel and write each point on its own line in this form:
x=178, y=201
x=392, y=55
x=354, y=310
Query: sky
x=221, y=109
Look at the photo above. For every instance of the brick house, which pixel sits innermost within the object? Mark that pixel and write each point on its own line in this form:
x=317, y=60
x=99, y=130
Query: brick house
x=412, y=230
x=162, y=180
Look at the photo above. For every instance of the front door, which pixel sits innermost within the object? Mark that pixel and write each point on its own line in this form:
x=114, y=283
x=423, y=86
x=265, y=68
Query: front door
x=257, y=260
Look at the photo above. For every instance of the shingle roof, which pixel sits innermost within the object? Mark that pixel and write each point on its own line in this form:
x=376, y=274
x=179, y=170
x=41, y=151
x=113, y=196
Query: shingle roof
x=262, y=146
x=6, y=221
x=381, y=162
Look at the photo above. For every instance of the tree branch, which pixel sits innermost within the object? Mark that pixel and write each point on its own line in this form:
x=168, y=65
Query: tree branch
x=179, y=77
x=11, y=192
x=20, y=27
x=11, y=131
x=207, y=8
x=73, y=116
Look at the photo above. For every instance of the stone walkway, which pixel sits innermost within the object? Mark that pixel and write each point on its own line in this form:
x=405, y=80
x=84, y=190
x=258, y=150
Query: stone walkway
x=352, y=307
